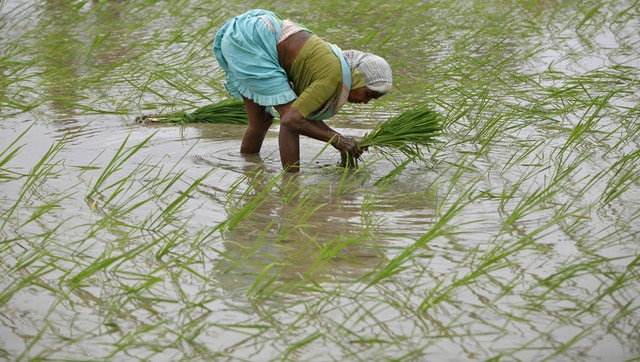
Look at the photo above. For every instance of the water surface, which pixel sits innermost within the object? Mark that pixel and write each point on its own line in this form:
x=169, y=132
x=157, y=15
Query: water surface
x=518, y=241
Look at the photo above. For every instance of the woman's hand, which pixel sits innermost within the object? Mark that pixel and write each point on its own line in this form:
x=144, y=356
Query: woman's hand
x=349, y=150
x=348, y=160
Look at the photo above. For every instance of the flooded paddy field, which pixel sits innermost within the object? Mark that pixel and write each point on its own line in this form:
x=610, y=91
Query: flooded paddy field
x=517, y=240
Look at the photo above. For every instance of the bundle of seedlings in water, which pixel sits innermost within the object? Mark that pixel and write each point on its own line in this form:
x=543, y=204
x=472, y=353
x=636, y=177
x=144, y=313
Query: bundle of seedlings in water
x=228, y=112
x=408, y=133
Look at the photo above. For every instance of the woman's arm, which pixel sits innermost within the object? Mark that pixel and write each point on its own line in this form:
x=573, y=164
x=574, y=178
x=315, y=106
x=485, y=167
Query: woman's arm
x=293, y=124
x=291, y=118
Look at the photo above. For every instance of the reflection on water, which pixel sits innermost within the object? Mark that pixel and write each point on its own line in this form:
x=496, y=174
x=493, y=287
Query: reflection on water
x=518, y=241
x=300, y=230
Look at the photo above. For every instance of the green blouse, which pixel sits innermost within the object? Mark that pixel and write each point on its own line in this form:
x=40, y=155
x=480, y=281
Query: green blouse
x=316, y=76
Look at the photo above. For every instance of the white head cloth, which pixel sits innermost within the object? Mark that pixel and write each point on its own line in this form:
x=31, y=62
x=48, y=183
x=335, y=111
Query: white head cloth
x=376, y=70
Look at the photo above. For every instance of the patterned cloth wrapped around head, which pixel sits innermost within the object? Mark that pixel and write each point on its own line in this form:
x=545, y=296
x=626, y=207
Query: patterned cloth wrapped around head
x=375, y=69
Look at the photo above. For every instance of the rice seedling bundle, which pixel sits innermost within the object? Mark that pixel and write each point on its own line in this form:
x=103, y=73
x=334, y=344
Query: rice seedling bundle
x=407, y=132
x=228, y=111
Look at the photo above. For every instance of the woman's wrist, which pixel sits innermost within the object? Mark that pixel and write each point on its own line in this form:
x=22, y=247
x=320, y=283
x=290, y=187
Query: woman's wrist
x=336, y=138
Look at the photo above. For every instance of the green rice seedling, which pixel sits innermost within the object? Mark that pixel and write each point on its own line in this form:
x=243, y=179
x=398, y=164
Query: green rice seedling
x=7, y=155
x=615, y=283
x=439, y=228
x=625, y=174
x=30, y=277
x=301, y=343
x=526, y=150
x=264, y=279
x=236, y=209
x=408, y=132
x=37, y=176
x=119, y=159
x=545, y=148
x=228, y=111
x=332, y=250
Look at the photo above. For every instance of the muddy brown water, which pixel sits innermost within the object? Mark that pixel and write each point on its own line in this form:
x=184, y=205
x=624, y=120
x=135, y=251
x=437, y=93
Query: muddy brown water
x=82, y=79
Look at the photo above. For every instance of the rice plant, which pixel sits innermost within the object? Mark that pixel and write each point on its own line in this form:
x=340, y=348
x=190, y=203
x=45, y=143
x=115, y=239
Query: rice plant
x=227, y=112
x=495, y=217
x=408, y=133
